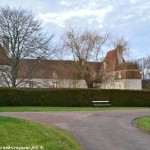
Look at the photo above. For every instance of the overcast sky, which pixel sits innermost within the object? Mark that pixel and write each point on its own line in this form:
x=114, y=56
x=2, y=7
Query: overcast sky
x=127, y=18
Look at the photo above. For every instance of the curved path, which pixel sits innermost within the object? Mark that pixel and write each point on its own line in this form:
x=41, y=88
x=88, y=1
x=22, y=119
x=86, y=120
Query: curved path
x=99, y=130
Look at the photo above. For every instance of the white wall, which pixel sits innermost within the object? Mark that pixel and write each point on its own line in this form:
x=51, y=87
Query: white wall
x=135, y=84
x=53, y=83
x=66, y=83
x=120, y=84
x=109, y=84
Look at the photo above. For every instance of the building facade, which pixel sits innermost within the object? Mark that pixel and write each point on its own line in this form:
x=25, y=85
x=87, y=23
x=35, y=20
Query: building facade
x=121, y=74
x=41, y=73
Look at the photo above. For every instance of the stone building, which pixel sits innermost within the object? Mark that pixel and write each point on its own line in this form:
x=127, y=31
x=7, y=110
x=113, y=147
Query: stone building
x=41, y=73
x=121, y=74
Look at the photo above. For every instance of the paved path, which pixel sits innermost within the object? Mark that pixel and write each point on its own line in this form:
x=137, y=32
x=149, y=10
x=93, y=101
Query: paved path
x=100, y=130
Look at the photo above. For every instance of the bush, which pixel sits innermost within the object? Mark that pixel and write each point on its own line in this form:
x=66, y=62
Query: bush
x=146, y=84
x=72, y=97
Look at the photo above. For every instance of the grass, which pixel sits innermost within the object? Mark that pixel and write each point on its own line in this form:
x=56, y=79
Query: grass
x=21, y=133
x=33, y=108
x=143, y=124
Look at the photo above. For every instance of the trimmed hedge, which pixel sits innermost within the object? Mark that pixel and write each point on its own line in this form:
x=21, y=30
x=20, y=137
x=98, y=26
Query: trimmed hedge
x=72, y=97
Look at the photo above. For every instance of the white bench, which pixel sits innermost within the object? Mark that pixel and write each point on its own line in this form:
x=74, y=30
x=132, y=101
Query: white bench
x=101, y=103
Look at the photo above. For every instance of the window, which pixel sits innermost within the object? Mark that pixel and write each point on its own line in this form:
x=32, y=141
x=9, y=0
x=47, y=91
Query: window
x=55, y=84
x=119, y=74
x=54, y=75
x=31, y=84
x=111, y=86
x=119, y=86
x=96, y=85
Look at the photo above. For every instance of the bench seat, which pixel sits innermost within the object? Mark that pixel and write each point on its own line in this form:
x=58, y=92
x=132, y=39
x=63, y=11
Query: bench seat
x=101, y=103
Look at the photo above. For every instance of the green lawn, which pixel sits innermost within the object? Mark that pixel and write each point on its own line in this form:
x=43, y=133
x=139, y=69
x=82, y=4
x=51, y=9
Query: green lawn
x=143, y=124
x=21, y=133
x=19, y=109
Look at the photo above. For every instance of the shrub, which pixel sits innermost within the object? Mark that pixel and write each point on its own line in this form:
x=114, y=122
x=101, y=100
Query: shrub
x=72, y=97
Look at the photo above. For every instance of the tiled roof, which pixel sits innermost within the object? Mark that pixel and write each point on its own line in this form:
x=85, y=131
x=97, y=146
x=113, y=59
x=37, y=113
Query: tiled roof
x=38, y=68
x=65, y=69
x=128, y=65
x=4, y=59
x=126, y=70
x=128, y=74
x=111, y=61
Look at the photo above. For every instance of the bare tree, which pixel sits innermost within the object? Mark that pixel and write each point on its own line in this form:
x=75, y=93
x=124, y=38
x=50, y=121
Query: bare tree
x=124, y=44
x=22, y=37
x=84, y=45
x=144, y=65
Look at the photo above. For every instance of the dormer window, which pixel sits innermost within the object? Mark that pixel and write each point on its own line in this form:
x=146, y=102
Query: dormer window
x=54, y=75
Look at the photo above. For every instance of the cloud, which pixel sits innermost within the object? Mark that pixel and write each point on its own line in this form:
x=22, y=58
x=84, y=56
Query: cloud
x=133, y=1
x=65, y=3
x=60, y=18
x=130, y=18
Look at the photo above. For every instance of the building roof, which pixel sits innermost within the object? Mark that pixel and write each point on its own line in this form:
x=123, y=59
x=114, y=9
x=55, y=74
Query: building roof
x=128, y=74
x=66, y=69
x=111, y=61
x=126, y=70
x=128, y=66
x=38, y=68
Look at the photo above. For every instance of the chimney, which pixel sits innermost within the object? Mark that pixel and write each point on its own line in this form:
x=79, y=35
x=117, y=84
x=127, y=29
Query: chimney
x=5, y=40
x=120, y=54
x=82, y=60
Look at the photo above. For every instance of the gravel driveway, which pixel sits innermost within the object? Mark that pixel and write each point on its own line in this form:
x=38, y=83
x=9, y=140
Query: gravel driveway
x=98, y=130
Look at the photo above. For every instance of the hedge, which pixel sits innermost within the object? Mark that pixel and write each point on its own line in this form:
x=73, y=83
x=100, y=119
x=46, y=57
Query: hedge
x=72, y=97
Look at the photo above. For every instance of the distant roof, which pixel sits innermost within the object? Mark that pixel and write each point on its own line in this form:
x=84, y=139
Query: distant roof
x=128, y=74
x=111, y=60
x=128, y=65
x=39, y=68
x=66, y=69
